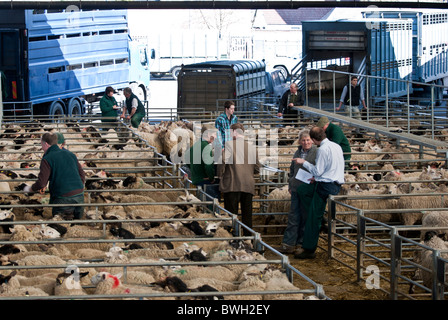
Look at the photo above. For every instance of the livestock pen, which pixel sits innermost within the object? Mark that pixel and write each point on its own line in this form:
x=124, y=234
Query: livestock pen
x=142, y=221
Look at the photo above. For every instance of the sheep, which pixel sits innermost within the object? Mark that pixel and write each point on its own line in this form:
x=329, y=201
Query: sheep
x=153, y=140
x=108, y=284
x=38, y=260
x=44, y=282
x=6, y=215
x=192, y=272
x=425, y=257
x=436, y=219
x=68, y=284
x=213, y=227
x=277, y=280
x=174, y=284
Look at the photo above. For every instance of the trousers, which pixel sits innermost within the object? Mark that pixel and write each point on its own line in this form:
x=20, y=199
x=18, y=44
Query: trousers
x=314, y=197
x=69, y=212
x=296, y=222
x=136, y=119
x=231, y=202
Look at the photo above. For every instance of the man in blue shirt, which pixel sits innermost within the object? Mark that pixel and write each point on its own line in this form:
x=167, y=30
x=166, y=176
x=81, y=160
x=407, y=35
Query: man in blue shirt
x=328, y=176
x=224, y=121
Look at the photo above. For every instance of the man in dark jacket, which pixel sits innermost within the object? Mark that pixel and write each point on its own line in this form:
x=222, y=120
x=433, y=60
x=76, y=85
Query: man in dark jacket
x=62, y=170
x=200, y=162
x=291, y=98
x=351, y=98
x=134, y=107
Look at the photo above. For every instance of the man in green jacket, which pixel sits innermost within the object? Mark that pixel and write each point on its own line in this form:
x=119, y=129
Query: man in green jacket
x=334, y=133
x=108, y=106
x=62, y=170
x=201, y=162
x=134, y=107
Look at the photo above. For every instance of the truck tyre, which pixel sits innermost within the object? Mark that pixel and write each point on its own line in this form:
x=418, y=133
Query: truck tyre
x=56, y=110
x=175, y=72
x=74, y=108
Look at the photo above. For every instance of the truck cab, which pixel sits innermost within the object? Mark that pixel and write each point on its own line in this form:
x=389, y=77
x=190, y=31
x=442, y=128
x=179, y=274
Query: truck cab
x=276, y=86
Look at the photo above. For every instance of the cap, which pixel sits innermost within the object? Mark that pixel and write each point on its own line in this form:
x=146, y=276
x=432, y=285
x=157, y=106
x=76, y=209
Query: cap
x=322, y=121
x=61, y=138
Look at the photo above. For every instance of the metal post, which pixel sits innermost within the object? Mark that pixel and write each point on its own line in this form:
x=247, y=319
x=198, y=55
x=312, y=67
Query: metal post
x=1, y=103
x=331, y=225
x=432, y=111
x=408, y=103
x=320, y=91
x=360, y=243
x=396, y=255
x=334, y=92
x=387, y=103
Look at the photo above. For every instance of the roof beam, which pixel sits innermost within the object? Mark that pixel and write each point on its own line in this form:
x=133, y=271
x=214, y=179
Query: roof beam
x=162, y=4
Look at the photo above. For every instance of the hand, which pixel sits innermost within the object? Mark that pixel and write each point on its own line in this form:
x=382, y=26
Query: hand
x=122, y=116
x=299, y=160
x=128, y=117
x=27, y=189
x=42, y=191
x=279, y=114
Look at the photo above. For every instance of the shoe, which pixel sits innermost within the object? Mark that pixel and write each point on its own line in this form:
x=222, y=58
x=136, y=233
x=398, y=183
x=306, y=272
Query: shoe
x=305, y=254
x=284, y=248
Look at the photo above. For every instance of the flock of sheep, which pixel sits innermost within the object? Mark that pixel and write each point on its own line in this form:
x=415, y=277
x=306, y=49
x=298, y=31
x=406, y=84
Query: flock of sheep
x=161, y=234
x=137, y=239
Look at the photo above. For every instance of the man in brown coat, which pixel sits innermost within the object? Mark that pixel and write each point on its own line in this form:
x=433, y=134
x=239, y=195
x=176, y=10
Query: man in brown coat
x=236, y=173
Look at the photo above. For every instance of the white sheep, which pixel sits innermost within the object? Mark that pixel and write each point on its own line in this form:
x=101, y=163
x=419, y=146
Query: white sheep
x=68, y=283
x=425, y=258
x=436, y=219
x=108, y=284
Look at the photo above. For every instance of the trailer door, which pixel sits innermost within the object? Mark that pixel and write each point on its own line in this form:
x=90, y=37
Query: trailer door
x=11, y=64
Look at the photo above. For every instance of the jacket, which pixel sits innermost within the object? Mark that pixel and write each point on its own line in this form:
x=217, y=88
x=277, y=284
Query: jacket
x=63, y=171
x=283, y=105
x=294, y=167
x=106, y=106
x=201, y=170
x=140, y=107
x=334, y=133
x=238, y=166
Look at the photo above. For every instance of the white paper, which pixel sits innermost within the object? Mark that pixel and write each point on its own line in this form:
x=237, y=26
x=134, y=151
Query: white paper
x=304, y=176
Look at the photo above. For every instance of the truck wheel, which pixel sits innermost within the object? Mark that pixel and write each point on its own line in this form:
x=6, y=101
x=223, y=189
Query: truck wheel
x=74, y=108
x=175, y=72
x=56, y=110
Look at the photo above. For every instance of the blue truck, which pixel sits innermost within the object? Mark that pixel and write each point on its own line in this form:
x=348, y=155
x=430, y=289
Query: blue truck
x=56, y=63
x=410, y=45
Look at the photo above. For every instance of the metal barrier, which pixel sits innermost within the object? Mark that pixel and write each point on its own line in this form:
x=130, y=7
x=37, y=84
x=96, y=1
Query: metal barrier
x=165, y=178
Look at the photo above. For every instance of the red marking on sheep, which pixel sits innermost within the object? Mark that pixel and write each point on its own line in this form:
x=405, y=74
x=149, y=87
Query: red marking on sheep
x=116, y=281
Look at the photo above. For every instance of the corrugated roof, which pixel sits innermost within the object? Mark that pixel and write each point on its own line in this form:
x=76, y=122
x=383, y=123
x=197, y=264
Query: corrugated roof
x=294, y=16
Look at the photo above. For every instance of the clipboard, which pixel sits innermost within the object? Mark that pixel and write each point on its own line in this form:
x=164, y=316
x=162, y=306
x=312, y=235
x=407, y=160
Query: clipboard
x=304, y=176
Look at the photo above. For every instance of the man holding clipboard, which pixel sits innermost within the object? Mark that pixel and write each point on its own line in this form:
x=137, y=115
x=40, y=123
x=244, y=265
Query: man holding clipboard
x=328, y=176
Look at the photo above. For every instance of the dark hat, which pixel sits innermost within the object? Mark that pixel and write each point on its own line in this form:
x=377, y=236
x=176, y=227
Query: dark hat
x=61, y=138
x=322, y=122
